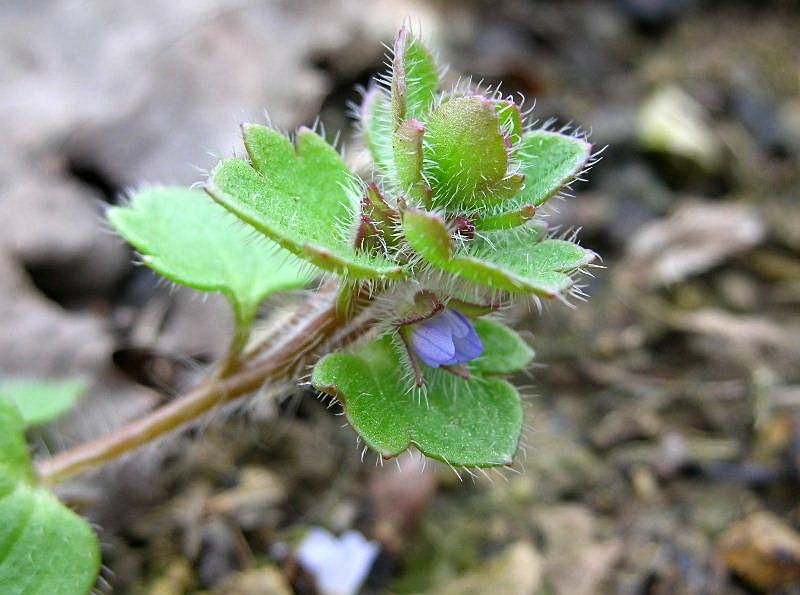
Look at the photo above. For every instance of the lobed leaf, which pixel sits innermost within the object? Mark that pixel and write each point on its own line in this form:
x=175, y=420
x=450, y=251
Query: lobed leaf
x=517, y=261
x=42, y=401
x=301, y=197
x=185, y=236
x=45, y=548
x=475, y=422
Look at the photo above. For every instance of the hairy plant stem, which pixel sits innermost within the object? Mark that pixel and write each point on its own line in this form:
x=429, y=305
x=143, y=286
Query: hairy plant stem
x=284, y=360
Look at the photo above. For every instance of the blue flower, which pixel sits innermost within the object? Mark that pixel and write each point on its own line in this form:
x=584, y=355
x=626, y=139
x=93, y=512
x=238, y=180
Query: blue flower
x=446, y=339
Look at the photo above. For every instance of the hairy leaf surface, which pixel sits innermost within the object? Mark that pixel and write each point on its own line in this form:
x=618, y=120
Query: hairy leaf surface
x=549, y=161
x=517, y=261
x=474, y=422
x=301, y=197
x=185, y=236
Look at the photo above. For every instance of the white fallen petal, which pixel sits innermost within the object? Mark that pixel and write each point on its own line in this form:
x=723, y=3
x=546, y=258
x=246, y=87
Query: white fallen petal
x=339, y=565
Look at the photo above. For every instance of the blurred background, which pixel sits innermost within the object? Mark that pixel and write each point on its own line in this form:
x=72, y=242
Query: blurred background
x=663, y=453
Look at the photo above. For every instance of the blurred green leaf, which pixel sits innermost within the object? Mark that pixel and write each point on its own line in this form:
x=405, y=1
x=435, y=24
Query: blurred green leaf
x=376, y=126
x=504, y=351
x=45, y=548
x=14, y=459
x=42, y=401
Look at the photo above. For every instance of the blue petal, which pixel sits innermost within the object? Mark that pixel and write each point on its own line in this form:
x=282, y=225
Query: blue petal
x=432, y=341
x=458, y=322
x=468, y=347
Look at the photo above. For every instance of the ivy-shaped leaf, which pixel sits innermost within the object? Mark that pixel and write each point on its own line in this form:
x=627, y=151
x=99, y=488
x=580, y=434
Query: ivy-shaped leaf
x=42, y=401
x=301, y=197
x=517, y=261
x=45, y=548
x=475, y=422
x=185, y=236
x=549, y=161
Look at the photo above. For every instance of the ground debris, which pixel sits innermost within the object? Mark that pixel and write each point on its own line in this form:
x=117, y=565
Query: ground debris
x=762, y=550
x=695, y=238
x=515, y=571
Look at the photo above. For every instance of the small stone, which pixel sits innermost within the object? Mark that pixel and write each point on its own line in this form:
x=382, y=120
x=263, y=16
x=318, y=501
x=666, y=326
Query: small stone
x=398, y=495
x=695, y=238
x=219, y=553
x=54, y=228
x=763, y=551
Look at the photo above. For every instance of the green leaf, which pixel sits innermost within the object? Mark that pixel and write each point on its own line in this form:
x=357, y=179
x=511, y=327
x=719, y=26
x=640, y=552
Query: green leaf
x=376, y=126
x=517, y=261
x=415, y=78
x=14, y=460
x=42, y=401
x=466, y=156
x=185, y=236
x=504, y=351
x=549, y=161
x=45, y=548
x=301, y=197
x=475, y=422
x=408, y=160
x=506, y=220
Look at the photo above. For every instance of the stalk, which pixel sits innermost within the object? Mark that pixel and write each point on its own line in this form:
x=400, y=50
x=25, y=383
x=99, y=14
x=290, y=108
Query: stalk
x=284, y=360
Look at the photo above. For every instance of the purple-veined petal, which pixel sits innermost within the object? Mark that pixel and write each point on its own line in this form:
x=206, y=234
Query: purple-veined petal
x=432, y=341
